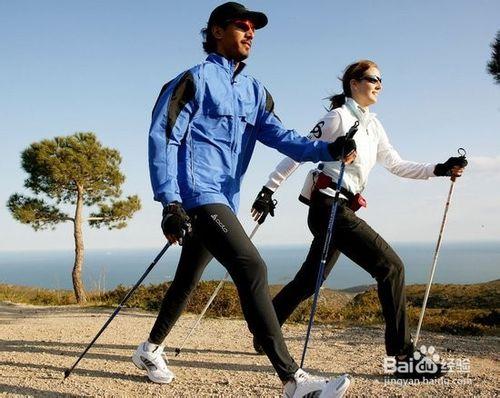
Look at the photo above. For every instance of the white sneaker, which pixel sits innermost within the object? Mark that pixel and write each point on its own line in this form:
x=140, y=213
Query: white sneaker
x=148, y=356
x=336, y=388
x=305, y=385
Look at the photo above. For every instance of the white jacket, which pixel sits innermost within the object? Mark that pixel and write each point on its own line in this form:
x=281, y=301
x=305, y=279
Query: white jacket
x=372, y=144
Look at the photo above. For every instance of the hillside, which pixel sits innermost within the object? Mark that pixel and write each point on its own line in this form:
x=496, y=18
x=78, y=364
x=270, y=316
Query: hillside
x=457, y=309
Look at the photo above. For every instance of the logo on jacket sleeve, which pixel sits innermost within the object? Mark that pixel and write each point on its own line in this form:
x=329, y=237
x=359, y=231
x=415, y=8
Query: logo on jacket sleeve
x=316, y=131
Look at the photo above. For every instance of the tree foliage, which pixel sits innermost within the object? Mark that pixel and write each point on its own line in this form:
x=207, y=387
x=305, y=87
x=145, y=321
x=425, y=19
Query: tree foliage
x=494, y=64
x=35, y=212
x=116, y=214
x=57, y=166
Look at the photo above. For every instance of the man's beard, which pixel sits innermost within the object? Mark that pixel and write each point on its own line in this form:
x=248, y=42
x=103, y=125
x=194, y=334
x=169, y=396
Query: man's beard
x=238, y=57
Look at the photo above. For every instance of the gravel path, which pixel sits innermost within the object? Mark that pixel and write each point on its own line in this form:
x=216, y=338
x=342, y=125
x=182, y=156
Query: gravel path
x=38, y=343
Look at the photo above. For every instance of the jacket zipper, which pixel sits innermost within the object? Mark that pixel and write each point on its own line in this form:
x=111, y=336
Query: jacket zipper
x=235, y=116
x=191, y=147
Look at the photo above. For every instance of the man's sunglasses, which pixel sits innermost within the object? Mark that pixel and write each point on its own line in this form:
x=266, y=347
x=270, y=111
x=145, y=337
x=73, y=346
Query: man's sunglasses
x=372, y=79
x=243, y=24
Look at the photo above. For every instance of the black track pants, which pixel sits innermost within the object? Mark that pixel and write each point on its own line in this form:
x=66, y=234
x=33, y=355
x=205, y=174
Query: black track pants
x=358, y=241
x=218, y=233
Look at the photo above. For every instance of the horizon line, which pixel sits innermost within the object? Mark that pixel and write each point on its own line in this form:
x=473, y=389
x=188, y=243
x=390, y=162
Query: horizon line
x=263, y=245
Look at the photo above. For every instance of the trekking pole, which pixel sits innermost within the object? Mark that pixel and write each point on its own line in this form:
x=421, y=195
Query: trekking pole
x=329, y=234
x=462, y=153
x=212, y=298
x=67, y=372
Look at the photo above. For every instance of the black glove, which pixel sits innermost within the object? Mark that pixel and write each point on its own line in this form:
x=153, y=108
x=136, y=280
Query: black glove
x=264, y=204
x=175, y=221
x=444, y=169
x=341, y=147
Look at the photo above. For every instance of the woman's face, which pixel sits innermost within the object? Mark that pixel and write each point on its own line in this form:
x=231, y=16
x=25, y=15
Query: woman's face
x=365, y=91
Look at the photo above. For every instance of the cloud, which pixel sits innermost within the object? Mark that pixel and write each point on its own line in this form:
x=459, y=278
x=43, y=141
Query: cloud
x=484, y=164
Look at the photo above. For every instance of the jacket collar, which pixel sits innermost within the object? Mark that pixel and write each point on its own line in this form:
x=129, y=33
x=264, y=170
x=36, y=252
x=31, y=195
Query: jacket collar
x=362, y=114
x=227, y=64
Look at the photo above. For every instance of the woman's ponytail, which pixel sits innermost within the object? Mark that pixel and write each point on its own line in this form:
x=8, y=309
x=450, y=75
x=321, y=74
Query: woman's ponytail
x=336, y=101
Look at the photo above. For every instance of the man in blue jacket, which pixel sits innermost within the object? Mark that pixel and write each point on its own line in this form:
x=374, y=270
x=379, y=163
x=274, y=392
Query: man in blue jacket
x=204, y=128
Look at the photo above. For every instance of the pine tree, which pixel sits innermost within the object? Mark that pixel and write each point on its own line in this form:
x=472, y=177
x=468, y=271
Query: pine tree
x=494, y=64
x=79, y=171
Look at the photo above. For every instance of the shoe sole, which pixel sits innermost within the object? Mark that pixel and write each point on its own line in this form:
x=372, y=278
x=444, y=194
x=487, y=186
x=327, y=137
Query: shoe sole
x=336, y=388
x=138, y=362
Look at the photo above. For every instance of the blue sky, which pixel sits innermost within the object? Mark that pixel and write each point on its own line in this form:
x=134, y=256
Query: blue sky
x=98, y=66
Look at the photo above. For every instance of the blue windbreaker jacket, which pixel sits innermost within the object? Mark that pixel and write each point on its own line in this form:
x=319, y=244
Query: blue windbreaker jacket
x=204, y=127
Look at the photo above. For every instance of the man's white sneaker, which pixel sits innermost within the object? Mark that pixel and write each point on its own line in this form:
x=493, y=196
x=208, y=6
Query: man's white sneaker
x=302, y=384
x=149, y=357
x=337, y=387
x=306, y=385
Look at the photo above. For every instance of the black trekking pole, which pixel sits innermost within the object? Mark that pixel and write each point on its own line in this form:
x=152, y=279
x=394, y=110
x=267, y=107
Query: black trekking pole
x=329, y=234
x=67, y=372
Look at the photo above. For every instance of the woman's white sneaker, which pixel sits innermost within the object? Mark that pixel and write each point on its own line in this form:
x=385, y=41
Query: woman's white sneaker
x=148, y=356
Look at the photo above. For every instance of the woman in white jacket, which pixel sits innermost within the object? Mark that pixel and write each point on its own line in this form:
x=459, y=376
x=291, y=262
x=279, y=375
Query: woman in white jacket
x=353, y=237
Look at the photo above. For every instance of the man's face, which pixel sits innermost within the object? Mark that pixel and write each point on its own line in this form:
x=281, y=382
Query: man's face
x=235, y=41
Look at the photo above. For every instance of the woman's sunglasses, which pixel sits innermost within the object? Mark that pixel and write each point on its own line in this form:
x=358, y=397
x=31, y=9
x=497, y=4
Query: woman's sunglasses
x=372, y=79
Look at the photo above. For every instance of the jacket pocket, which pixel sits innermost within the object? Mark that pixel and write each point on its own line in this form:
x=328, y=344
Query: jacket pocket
x=245, y=130
x=218, y=125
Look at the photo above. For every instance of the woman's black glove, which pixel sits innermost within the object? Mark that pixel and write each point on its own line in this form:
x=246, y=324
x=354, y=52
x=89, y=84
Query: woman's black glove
x=341, y=147
x=263, y=205
x=175, y=223
x=446, y=169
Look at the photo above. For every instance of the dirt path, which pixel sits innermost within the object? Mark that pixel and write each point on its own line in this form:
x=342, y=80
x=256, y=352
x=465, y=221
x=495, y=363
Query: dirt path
x=37, y=344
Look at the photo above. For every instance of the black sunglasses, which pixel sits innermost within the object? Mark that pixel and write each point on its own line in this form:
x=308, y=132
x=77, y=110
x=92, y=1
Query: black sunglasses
x=372, y=79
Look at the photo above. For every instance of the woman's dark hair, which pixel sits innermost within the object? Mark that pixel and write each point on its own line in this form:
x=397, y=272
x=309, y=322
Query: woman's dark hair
x=354, y=71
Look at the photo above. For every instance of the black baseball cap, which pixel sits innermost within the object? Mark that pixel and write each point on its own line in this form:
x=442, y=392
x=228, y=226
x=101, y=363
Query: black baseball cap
x=226, y=12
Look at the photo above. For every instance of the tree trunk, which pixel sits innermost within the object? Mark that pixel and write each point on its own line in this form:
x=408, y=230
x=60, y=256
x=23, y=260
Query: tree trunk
x=81, y=298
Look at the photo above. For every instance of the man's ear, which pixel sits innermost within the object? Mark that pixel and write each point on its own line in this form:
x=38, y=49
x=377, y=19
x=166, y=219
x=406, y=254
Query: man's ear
x=217, y=32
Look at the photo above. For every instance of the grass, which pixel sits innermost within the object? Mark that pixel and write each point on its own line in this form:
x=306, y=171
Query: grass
x=456, y=309
x=35, y=296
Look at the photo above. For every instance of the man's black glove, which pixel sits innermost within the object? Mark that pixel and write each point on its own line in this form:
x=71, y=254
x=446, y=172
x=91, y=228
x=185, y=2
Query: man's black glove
x=445, y=169
x=175, y=222
x=341, y=147
x=264, y=204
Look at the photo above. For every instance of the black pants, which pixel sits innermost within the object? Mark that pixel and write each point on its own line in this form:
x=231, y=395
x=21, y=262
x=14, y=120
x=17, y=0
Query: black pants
x=218, y=233
x=357, y=240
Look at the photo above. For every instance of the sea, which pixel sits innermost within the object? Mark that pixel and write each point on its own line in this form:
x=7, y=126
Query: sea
x=461, y=263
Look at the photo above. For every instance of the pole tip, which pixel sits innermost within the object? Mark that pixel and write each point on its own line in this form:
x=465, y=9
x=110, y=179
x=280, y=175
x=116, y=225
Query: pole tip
x=67, y=372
